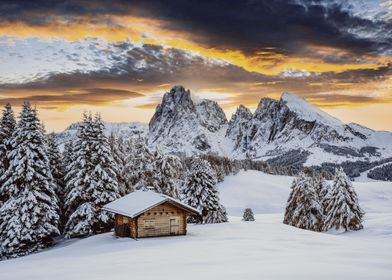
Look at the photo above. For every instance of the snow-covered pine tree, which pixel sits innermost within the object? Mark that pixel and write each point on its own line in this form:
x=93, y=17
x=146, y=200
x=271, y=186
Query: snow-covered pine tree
x=57, y=168
x=152, y=174
x=7, y=127
x=248, y=215
x=170, y=168
x=140, y=163
x=30, y=215
x=216, y=216
x=67, y=156
x=77, y=155
x=118, y=149
x=200, y=192
x=91, y=181
x=303, y=208
x=322, y=189
x=342, y=206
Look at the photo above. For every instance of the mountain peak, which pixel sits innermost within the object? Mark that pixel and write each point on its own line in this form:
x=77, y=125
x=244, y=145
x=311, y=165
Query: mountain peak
x=306, y=110
x=290, y=97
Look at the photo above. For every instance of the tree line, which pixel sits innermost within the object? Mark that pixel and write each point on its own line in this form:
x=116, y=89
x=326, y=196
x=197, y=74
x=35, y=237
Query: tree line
x=315, y=205
x=45, y=193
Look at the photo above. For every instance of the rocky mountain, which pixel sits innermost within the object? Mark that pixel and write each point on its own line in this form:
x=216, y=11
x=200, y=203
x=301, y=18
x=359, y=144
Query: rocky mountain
x=279, y=127
x=289, y=127
x=280, y=131
x=185, y=125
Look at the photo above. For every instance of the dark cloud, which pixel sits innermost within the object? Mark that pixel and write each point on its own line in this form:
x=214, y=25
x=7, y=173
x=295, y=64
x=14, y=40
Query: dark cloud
x=144, y=69
x=147, y=65
x=247, y=25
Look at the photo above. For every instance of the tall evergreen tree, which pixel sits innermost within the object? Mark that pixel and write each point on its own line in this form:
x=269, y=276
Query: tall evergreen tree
x=118, y=147
x=342, y=206
x=140, y=164
x=91, y=181
x=7, y=127
x=57, y=168
x=170, y=168
x=201, y=192
x=303, y=208
x=322, y=190
x=30, y=215
x=67, y=155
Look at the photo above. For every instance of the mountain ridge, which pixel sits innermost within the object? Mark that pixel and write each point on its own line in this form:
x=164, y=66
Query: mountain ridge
x=186, y=125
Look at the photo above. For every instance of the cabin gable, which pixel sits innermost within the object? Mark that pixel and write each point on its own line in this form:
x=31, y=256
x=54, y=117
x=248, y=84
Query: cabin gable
x=162, y=220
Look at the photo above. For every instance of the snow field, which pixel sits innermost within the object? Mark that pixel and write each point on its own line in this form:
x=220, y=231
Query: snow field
x=264, y=249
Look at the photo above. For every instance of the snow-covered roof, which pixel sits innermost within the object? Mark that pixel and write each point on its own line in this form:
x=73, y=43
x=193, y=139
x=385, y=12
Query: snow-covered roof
x=137, y=202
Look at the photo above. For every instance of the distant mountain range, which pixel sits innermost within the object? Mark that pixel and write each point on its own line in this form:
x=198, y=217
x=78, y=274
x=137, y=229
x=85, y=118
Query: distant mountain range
x=186, y=125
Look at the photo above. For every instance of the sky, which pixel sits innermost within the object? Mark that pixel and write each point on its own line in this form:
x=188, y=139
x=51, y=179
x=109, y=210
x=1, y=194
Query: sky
x=119, y=57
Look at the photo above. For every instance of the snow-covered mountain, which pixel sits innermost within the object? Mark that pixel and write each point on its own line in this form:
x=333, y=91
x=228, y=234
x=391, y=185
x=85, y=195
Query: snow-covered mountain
x=291, y=123
x=184, y=124
x=123, y=129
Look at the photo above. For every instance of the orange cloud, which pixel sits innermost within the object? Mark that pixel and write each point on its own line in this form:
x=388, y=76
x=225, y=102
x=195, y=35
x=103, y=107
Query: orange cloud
x=153, y=31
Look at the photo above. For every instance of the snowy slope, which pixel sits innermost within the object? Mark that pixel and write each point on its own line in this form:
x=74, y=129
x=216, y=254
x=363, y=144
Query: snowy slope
x=307, y=111
x=185, y=124
x=264, y=249
x=123, y=129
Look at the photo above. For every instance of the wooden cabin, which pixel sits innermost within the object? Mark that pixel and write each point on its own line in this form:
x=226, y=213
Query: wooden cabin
x=147, y=214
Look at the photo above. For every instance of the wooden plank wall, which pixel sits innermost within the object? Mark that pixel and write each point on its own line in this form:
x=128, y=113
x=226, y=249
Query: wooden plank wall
x=161, y=216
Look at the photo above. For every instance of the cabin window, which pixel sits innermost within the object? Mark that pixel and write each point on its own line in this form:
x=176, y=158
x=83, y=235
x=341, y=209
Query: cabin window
x=149, y=224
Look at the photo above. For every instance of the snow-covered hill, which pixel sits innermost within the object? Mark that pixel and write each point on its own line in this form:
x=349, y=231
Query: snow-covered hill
x=264, y=249
x=123, y=129
x=183, y=124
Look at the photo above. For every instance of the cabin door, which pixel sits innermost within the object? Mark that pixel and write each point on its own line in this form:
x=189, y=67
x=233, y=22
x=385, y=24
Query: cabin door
x=174, y=226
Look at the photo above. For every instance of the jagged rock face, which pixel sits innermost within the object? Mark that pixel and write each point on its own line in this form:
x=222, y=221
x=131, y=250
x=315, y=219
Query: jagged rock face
x=288, y=128
x=291, y=123
x=211, y=115
x=275, y=122
x=239, y=128
x=183, y=126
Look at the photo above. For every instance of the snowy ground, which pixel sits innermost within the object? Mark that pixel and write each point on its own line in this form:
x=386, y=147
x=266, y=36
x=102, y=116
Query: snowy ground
x=264, y=249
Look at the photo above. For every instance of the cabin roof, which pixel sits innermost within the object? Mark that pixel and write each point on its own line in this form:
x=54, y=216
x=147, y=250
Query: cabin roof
x=138, y=202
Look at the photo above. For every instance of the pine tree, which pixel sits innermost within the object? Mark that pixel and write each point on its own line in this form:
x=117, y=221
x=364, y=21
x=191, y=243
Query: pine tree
x=303, y=208
x=141, y=168
x=322, y=190
x=201, y=192
x=7, y=127
x=67, y=156
x=91, y=181
x=342, y=206
x=30, y=215
x=170, y=167
x=248, y=215
x=118, y=149
x=57, y=168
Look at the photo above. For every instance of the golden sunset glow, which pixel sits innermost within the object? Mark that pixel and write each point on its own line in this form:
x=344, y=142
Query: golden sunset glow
x=118, y=47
